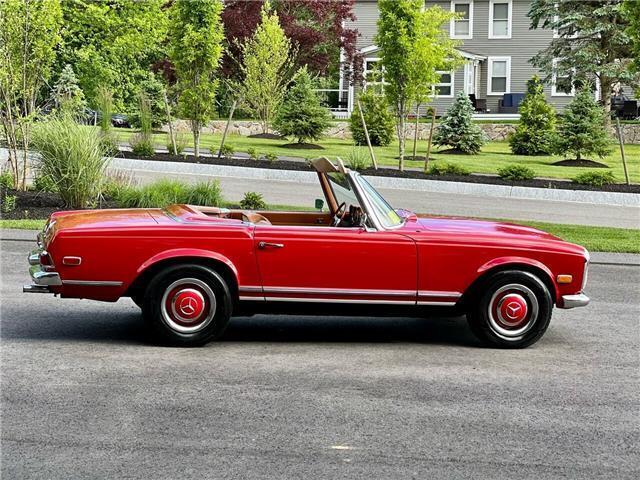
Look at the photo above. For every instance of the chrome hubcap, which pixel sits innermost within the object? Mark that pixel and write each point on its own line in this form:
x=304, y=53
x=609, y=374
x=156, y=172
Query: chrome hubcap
x=513, y=311
x=188, y=305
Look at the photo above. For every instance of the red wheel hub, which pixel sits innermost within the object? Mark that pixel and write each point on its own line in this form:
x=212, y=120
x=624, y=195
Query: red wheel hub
x=187, y=305
x=512, y=310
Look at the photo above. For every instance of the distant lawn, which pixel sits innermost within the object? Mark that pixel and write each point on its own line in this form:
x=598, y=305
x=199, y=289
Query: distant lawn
x=493, y=156
x=596, y=239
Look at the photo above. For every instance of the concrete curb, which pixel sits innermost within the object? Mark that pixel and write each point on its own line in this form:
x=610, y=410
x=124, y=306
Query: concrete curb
x=597, y=258
x=462, y=188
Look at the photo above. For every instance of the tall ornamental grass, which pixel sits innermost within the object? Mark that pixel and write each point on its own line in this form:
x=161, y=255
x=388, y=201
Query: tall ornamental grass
x=166, y=192
x=73, y=159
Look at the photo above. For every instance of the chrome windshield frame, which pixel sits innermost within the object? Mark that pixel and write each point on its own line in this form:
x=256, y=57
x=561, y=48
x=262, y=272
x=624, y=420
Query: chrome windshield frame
x=365, y=201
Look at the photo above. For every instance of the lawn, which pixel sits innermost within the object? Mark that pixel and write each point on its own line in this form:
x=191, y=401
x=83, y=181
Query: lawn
x=596, y=239
x=493, y=156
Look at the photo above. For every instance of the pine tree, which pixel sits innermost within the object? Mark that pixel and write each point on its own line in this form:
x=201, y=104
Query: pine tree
x=67, y=95
x=457, y=129
x=582, y=130
x=301, y=115
x=536, y=132
x=379, y=119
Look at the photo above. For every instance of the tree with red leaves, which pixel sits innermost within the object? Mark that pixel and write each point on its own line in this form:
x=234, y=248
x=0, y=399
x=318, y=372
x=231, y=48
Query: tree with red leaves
x=315, y=27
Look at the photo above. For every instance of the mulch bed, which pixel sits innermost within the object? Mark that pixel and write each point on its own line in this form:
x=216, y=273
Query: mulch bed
x=303, y=146
x=268, y=136
x=37, y=205
x=580, y=163
x=392, y=172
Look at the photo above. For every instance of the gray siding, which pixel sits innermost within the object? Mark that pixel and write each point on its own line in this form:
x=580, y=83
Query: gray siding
x=366, y=12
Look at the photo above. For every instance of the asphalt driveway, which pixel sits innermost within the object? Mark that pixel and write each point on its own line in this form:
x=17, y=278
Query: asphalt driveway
x=84, y=396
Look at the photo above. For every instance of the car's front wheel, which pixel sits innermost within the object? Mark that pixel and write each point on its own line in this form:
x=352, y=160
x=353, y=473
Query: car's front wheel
x=512, y=310
x=187, y=305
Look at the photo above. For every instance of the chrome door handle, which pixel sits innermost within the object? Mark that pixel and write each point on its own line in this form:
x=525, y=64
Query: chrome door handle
x=263, y=245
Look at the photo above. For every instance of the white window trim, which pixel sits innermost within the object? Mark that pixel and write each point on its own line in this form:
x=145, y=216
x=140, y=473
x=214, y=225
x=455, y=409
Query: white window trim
x=490, y=61
x=556, y=93
x=509, y=21
x=365, y=70
x=452, y=94
x=452, y=27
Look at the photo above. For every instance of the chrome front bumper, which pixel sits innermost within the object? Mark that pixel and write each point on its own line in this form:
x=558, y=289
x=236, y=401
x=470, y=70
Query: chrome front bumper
x=573, y=301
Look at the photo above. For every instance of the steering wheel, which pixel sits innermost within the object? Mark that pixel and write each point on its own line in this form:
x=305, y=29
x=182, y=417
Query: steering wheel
x=341, y=211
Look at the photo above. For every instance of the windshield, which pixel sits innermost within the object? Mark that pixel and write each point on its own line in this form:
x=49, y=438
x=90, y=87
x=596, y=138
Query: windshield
x=387, y=215
x=342, y=190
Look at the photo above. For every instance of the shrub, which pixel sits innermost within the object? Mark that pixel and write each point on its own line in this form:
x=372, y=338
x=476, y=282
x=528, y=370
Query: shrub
x=581, y=130
x=109, y=143
x=116, y=182
x=457, y=130
x=227, y=150
x=141, y=145
x=301, y=115
x=253, y=153
x=448, y=169
x=379, y=119
x=271, y=157
x=73, y=158
x=535, y=134
x=596, y=179
x=516, y=172
x=253, y=201
x=358, y=159
x=166, y=192
x=8, y=203
x=182, y=141
x=104, y=99
x=43, y=183
x=6, y=180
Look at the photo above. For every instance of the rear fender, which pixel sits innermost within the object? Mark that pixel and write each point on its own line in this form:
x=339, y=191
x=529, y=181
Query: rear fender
x=186, y=253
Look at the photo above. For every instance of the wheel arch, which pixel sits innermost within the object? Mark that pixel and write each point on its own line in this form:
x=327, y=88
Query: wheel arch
x=513, y=263
x=217, y=262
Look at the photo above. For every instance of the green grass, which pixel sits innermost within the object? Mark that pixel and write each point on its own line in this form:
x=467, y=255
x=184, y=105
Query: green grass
x=493, y=156
x=596, y=239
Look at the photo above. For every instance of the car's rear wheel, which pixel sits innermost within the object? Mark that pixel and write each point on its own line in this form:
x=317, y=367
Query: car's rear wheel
x=187, y=305
x=512, y=310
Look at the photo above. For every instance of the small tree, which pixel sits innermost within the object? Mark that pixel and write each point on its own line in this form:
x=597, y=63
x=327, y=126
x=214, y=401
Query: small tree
x=380, y=123
x=266, y=67
x=457, y=129
x=67, y=96
x=536, y=132
x=195, y=48
x=582, y=130
x=301, y=115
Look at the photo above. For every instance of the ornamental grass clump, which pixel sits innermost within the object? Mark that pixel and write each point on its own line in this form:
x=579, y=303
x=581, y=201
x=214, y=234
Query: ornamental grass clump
x=167, y=192
x=73, y=159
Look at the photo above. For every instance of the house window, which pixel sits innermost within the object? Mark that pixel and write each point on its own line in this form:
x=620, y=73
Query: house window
x=445, y=87
x=499, y=81
x=500, y=18
x=463, y=26
x=561, y=85
x=373, y=72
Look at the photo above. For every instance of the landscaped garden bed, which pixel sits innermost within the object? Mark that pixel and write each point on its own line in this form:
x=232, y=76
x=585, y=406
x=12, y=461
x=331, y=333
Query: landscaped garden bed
x=387, y=172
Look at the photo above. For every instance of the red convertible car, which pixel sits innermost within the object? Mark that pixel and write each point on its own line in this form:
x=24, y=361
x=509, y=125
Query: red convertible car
x=191, y=268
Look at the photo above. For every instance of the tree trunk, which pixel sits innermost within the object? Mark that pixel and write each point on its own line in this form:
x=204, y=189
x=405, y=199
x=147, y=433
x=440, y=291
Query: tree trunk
x=605, y=94
x=366, y=135
x=401, y=135
x=195, y=127
x=226, y=127
x=415, y=133
x=428, y=157
x=172, y=135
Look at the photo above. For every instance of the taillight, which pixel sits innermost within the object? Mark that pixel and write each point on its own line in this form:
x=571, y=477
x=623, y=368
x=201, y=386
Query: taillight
x=45, y=259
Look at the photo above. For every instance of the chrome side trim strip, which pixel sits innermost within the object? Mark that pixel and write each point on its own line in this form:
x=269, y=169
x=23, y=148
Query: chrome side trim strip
x=337, y=300
x=340, y=291
x=250, y=288
x=434, y=293
x=92, y=283
x=442, y=304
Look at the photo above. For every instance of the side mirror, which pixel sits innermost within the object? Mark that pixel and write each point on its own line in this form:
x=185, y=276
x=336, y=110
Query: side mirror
x=319, y=204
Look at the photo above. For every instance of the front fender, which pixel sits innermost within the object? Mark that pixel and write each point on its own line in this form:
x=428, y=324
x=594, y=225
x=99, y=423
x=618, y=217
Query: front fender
x=515, y=261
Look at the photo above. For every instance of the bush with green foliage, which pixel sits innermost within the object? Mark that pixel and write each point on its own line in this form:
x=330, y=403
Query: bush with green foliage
x=457, y=130
x=67, y=96
x=358, y=158
x=116, y=182
x=253, y=201
x=6, y=180
x=141, y=145
x=535, y=134
x=448, y=169
x=8, y=203
x=271, y=157
x=227, y=150
x=378, y=117
x=166, y=192
x=301, y=115
x=73, y=158
x=153, y=90
x=595, y=179
x=253, y=153
x=43, y=183
x=516, y=173
x=182, y=142
x=581, y=131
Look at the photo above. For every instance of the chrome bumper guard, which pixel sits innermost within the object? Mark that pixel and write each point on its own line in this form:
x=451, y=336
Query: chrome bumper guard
x=573, y=301
x=42, y=279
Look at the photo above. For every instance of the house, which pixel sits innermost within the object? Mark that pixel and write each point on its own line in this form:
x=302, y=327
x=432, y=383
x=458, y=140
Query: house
x=496, y=44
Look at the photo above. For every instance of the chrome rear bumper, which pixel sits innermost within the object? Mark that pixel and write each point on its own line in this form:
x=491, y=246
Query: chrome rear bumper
x=42, y=279
x=573, y=301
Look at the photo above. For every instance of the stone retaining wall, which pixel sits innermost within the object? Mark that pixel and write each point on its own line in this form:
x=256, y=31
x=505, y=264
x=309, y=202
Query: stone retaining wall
x=495, y=131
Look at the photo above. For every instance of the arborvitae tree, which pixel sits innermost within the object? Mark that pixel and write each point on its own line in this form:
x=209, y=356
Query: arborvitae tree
x=377, y=115
x=301, y=115
x=536, y=132
x=582, y=130
x=67, y=95
x=457, y=129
